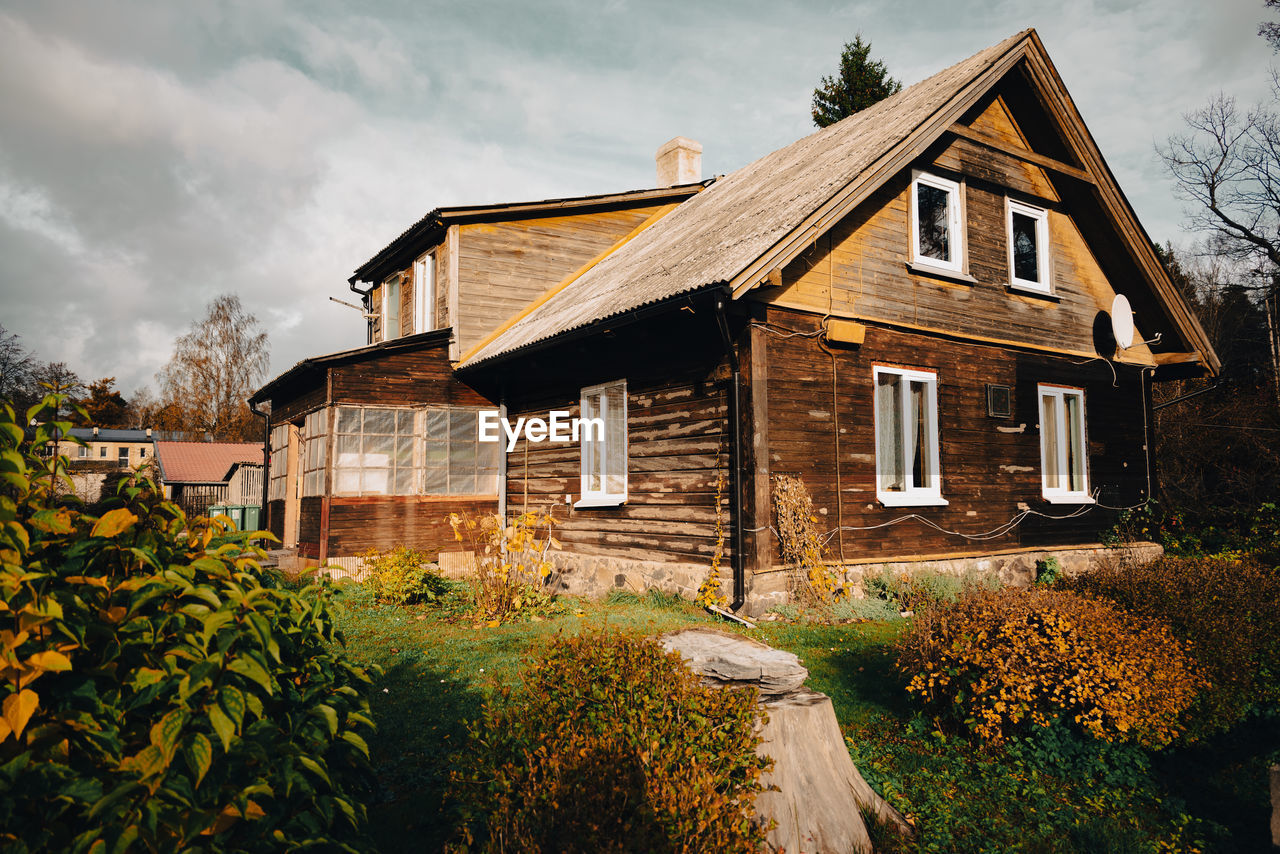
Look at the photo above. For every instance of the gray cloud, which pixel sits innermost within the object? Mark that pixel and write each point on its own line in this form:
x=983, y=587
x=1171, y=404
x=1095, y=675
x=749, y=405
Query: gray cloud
x=153, y=155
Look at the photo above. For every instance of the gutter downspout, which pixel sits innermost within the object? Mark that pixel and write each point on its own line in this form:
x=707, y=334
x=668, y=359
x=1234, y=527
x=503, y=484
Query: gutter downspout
x=365, y=301
x=266, y=463
x=735, y=457
x=502, y=459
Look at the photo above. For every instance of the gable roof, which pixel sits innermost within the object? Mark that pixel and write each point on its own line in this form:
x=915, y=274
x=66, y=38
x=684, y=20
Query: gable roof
x=203, y=462
x=109, y=434
x=758, y=218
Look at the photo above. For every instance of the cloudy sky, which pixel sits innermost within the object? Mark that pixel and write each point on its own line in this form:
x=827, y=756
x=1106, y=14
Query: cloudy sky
x=154, y=155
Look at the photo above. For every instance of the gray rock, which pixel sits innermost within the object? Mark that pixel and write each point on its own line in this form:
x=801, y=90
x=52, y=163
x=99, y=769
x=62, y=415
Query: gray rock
x=721, y=659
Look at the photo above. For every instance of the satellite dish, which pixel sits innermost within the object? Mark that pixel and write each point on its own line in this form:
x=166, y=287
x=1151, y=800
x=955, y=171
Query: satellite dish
x=1122, y=321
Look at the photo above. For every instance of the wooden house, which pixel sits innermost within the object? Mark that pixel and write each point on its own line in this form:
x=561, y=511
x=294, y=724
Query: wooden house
x=911, y=311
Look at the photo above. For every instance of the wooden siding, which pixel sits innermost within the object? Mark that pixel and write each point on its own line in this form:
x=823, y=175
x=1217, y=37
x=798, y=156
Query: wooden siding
x=677, y=383
x=293, y=404
x=385, y=522
x=408, y=378
x=990, y=466
x=676, y=447
x=504, y=266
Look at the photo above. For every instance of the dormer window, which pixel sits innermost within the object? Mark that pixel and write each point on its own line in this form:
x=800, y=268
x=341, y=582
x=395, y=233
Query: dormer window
x=1028, y=229
x=937, y=230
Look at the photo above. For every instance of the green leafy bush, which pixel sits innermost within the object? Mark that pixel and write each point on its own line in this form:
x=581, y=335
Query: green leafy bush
x=161, y=691
x=1002, y=659
x=1228, y=611
x=913, y=591
x=613, y=745
x=403, y=576
x=1048, y=572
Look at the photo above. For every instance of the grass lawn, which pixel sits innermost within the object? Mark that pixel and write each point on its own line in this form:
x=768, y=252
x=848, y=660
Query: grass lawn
x=1056, y=794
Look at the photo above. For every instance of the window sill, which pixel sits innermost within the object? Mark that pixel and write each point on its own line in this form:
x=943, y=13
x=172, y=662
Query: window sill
x=1070, y=498
x=1028, y=291
x=890, y=499
x=921, y=269
x=601, y=501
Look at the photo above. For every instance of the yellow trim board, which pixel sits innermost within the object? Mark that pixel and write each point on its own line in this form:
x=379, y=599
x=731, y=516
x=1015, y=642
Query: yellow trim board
x=565, y=282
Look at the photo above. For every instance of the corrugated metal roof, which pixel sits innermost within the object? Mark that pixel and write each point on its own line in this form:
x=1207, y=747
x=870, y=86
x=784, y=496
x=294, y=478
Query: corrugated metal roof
x=715, y=235
x=203, y=462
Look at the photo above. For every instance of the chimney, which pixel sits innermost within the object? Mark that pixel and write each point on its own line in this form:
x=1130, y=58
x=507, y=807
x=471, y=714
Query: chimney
x=148, y=432
x=679, y=162
x=95, y=431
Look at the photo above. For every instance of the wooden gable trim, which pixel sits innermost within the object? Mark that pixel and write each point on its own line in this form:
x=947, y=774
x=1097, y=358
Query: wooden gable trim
x=870, y=179
x=565, y=282
x=1050, y=90
x=1021, y=153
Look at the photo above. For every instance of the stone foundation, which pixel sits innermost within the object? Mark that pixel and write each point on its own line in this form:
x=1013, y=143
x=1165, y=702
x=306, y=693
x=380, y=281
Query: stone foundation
x=595, y=576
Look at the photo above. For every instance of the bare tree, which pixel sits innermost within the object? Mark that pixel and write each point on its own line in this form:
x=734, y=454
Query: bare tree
x=1228, y=166
x=18, y=368
x=214, y=368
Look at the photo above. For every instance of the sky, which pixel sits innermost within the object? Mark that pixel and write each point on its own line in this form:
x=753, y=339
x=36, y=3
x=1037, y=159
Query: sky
x=154, y=155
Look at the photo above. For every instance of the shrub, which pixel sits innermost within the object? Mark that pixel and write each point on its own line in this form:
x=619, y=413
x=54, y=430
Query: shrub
x=1002, y=659
x=403, y=576
x=915, y=591
x=1228, y=612
x=159, y=689
x=512, y=563
x=614, y=745
x=804, y=548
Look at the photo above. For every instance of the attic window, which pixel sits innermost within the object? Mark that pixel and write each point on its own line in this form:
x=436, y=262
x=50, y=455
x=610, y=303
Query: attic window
x=937, y=233
x=1028, y=229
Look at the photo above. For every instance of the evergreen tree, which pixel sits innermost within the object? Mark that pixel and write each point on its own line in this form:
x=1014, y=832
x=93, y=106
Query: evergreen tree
x=861, y=82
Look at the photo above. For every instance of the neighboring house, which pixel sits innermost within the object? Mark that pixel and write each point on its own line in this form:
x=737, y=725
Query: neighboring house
x=103, y=456
x=116, y=448
x=198, y=475
x=910, y=310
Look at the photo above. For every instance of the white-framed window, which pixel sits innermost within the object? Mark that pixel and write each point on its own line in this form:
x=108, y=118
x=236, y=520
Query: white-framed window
x=279, y=462
x=908, y=471
x=315, y=439
x=424, y=293
x=391, y=308
x=604, y=458
x=83, y=451
x=1064, y=460
x=937, y=225
x=1028, y=232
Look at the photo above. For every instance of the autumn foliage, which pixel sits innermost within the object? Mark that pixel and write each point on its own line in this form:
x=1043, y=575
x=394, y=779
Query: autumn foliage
x=160, y=690
x=1226, y=610
x=613, y=745
x=1004, y=659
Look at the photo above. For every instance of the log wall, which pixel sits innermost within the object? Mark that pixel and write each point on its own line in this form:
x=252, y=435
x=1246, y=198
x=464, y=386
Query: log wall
x=990, y=466
x=384, y=522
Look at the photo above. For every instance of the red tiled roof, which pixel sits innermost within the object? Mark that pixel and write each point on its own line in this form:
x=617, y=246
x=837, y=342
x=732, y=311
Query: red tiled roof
x=203, y=462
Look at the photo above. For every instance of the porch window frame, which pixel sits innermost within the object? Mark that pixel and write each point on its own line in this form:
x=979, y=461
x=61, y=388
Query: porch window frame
x=911, y=496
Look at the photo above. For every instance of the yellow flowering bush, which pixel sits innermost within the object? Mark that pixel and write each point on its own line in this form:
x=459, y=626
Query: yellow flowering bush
x=513, y=563
x=1001, y=659
x=402, y=576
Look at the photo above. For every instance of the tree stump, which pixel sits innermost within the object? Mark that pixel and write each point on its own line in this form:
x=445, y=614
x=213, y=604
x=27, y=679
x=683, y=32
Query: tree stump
x=814, y=792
